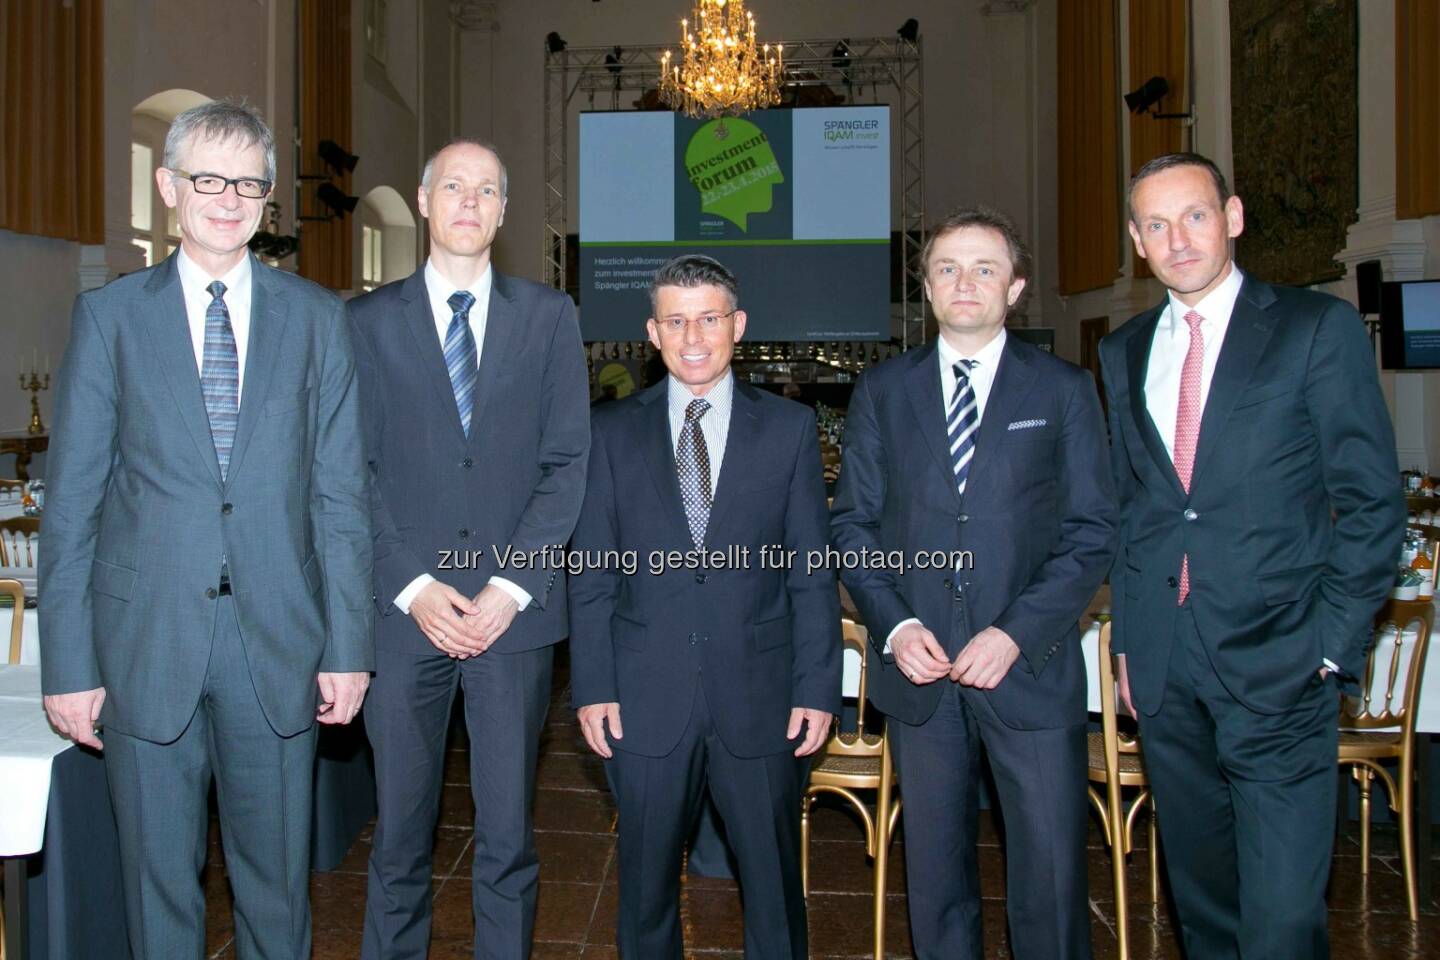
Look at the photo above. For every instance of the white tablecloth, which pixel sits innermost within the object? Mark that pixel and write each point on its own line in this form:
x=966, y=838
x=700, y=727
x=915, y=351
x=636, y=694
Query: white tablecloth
x=27, y=747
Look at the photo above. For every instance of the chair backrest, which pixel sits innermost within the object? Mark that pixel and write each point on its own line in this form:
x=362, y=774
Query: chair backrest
x=16, y=548
x=860, y=743
x=1390, y=688
x=16, y=592
x=12, y=489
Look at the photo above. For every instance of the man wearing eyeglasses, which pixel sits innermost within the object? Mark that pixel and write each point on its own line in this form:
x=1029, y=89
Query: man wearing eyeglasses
x=205, y=578
x=719, y=666
x=476, y=431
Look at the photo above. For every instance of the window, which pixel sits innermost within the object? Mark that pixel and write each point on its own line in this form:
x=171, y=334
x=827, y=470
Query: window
x=375, y=33
x=371, y=244
x=153, y=227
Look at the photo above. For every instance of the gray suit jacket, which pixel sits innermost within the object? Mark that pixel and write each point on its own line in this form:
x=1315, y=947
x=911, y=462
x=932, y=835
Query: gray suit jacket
x=138, y=520
x=451, y=505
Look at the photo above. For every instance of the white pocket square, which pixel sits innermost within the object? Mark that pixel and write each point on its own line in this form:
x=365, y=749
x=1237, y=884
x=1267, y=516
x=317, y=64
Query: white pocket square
x=1027, y=424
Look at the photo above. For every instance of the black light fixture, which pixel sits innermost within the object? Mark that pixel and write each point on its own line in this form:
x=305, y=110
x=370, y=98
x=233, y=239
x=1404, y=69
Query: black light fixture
x=337, y=157
x=270, y=242
x=840, y=54
x=613, y=63
x=1148, y=95
x=339, y=202
x=909, y=30
x=554, y=42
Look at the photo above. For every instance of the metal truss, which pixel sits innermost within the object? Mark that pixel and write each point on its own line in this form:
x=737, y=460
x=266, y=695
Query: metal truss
x=876, y=69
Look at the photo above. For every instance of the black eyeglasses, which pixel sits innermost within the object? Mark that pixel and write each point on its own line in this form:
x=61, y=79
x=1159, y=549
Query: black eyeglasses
x=252, y=188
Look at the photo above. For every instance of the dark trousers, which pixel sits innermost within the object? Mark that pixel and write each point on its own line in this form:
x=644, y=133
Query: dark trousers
x=1040, y=782
x=263, y=783
x=1247, y=810
x=759, y=802
x=407, y=715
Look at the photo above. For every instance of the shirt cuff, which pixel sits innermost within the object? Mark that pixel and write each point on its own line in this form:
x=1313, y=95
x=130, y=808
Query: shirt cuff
x=408, y=595
x=521, y=596
x=903, y=623
x=1330, y=665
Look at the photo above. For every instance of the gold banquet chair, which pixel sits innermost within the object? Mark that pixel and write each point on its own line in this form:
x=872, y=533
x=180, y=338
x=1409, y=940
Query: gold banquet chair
x=851, y=761
x=1116, y=762
x=15, y=536
x=16, y=592
x=1389, y=694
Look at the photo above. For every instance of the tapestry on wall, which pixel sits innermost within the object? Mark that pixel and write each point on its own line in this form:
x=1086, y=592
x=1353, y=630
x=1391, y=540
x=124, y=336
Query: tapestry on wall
x=1293, y=111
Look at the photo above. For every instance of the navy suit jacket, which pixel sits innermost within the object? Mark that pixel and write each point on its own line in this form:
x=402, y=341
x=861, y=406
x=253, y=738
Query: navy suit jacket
x=1295, y=431
x=138, y=519
x=451, y=505
x=760, y=641
x=1038, y=515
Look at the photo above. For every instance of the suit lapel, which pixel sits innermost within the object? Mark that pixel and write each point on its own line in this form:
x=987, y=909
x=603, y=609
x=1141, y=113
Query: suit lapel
x=742, y=449
x=1137, y=350
x=922, y=384
x=1246, y=335
x=660, y=457
x=269, y=315
x=169, y=330
x=502, y=327
x=1013, y=380
x=420, y=320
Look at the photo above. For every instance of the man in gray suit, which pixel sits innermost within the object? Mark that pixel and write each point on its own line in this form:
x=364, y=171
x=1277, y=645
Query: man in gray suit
x=207, y=550
x=477, y=432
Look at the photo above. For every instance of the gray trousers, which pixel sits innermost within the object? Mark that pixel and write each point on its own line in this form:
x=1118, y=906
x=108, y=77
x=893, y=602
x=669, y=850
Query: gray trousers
x=160, y=792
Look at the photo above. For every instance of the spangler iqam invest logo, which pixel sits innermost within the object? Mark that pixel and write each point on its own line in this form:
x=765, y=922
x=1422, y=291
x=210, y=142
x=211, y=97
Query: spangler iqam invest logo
x=851, y=131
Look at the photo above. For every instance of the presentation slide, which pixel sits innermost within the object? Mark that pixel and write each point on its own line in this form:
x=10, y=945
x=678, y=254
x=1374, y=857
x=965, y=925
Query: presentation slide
x=796, y=203
x=1421, y=304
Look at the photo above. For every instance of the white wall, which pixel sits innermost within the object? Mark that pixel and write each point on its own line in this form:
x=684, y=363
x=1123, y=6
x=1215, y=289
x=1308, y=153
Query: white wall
x=38, y=283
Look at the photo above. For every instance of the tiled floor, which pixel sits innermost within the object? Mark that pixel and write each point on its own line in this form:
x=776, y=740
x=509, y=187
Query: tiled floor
x=574, y=820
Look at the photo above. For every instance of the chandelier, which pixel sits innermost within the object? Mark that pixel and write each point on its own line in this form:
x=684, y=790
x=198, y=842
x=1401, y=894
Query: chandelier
x=720, y=72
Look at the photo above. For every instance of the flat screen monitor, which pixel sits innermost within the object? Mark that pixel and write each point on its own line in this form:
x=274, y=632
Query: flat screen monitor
x=795, y=202
x=1410, y=325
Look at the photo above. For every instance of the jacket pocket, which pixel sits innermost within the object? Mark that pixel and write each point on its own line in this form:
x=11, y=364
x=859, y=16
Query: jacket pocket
x=772, y=633
x=1287, y=586
x=112, y=580
x=278, y=405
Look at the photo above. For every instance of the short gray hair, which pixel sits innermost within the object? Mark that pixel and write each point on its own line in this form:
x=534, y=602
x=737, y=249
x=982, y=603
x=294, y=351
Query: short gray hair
x=466, y=142
x=694, y=270
x=220, y=120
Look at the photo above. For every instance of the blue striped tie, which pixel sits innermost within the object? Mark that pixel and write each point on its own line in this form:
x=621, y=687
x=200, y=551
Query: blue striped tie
x=963, y=421
x=220, y=376
x=460, y=356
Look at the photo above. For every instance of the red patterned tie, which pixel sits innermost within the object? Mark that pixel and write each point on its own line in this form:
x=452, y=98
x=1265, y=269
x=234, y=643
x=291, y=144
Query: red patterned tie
x=1187, y=424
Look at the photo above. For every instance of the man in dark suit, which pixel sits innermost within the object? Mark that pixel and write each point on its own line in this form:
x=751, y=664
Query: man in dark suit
x=989, y=452
x=477, y=431
x=205, y=578
x=719, y=664
x=1256, y=471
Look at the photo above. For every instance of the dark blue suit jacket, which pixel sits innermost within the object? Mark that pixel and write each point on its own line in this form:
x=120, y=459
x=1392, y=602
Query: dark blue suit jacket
x=759, y=641
x=1038, y=515
x=515, y=482
x=1294, y=429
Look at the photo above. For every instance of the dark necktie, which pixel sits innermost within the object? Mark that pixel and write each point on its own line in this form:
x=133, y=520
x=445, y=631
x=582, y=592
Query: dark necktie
x=220, y=376
x=962, y=422
x=460, y=356
x=692, y=465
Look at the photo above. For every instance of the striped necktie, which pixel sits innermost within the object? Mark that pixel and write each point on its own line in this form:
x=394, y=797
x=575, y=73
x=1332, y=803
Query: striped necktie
x=962, y=420
x=461, y=358
x=1187, y=424
x=220, y=376
x=692, y=464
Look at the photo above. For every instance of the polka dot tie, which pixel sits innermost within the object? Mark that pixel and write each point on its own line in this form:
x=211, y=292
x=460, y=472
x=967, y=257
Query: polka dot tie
x=1187, y=424
x=692, y=465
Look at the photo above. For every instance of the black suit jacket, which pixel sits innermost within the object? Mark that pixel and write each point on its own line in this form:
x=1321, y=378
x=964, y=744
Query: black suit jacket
x=1295, y=430
x=1038, y=515
x=759, y=640
x=449, y=505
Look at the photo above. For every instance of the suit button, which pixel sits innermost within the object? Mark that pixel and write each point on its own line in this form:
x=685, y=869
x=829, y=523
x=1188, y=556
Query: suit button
x=694, y=639
x=963, y=518
x=699, y=578
x=211, y=593
x=1191, y=514
x=227, y=509
x=467, y=463
x=1171, y=582
x=463, y=533
x=949, y=584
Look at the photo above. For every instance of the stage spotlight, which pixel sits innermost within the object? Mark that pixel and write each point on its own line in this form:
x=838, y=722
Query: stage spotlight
x=840, y=55
x=337, y=157
x=554, y=42
x=336, y=199
x=909, y=30
x=273, y=245
x=613, y=64
x=1147, y=95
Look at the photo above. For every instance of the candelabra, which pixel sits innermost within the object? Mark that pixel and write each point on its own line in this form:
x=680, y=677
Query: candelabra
x=34, y=384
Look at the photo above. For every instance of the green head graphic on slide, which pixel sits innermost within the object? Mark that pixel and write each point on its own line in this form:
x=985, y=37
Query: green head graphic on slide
x=730, y=162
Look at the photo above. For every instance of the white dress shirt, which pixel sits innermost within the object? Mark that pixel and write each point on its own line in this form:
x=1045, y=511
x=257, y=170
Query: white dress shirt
x=985, y=364
x=193, y=284
x=714, y=425
x=1172, y=343
x=440, y=290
